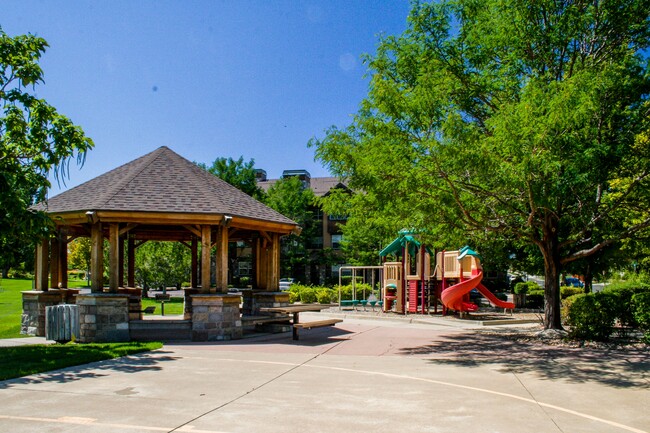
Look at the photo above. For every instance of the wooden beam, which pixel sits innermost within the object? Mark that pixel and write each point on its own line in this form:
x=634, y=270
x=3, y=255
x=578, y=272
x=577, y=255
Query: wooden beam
x=63, y=259
x=130, y=266
x=114, y=257
x=222, y=259
x=41, y=265
x=193, y=229
x=206, y=243
x=127, y=228
x=97, y=258
x=120, y=266
x=265, y=235
x=194, y=280
x=55, y=261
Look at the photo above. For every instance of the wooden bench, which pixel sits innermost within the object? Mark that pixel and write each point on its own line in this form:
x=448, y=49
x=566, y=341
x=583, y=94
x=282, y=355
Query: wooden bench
x=149, y=310
x=314, y=324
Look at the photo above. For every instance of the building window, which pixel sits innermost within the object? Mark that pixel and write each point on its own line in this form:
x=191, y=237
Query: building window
x=336, y=241
x=337, y=217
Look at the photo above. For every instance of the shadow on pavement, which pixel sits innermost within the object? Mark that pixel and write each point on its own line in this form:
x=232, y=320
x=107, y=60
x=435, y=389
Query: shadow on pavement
x=146, y=361
x=620, y=369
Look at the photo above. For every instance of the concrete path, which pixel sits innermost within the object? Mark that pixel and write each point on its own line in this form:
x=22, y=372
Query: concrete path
x=360, y=376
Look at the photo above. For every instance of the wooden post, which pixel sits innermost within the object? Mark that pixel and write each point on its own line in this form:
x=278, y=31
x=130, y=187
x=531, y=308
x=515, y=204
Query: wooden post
x=114, y=257
x=274, y=271
x=130, y=271
x=97, y=258
x=194, y=281
x=63, y=258
x=55, y=261
x=120, y=265
x=41, y=265
x=222, y=259
x=206, y=245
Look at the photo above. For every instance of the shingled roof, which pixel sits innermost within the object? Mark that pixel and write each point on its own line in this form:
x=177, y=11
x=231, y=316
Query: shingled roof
x=161, y=182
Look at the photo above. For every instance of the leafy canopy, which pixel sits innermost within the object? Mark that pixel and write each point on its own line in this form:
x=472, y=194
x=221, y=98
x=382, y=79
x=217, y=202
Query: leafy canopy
x=238, y=173
x=35, y=141
x=511, y=119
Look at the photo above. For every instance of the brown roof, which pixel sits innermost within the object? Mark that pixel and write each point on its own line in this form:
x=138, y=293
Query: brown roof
x=163, y=182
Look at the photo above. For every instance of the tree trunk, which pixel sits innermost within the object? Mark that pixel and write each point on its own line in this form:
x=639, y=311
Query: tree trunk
x=549, y=247
x=589, y=276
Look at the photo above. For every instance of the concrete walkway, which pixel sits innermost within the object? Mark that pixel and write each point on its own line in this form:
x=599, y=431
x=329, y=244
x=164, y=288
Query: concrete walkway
x=362, y=375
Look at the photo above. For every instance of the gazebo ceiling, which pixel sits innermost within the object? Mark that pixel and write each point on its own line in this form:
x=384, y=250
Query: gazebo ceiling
x=162, y=188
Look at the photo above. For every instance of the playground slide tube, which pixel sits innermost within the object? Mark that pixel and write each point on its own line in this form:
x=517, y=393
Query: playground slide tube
x=452, y=297
x=493, y=299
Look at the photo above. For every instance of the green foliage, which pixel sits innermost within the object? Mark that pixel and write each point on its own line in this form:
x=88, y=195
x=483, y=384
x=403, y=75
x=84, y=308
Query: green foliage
x=11, y=306
x=325, y=295
x=641, y=302
x=525, y=287
x=535, y=300
x=290, y=197
x=238, y=173
x=519, y=121
x=162, y=264
x=567, y=291
x=24, y=360
x=35, y=141
x=622, y=294
x=591, y=316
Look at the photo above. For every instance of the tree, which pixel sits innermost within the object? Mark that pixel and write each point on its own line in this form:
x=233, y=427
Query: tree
x=79, y=254
x=510, y=119
x=238, y=173
x=162, y=264
x=35, y=141
x=291, y=198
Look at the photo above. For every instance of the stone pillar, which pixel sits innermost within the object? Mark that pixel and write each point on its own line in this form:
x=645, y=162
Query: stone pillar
x=187, y=305
x=34, y=303
x=264, y=299
x=216, y=317
x=103, y=317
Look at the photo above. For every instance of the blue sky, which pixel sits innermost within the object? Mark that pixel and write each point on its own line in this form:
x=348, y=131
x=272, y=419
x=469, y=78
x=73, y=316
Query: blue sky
x=208, y=79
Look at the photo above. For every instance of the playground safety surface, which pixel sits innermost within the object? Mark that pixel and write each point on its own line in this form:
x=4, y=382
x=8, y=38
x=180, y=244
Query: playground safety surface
x=361, y=375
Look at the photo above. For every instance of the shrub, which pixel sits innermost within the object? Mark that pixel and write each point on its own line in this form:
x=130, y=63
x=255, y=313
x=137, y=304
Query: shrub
x=622, y=294
x=591, y=316
x=307, y=295
x=641, y=303
x=521, y=288
x=346, y=291
x=567, y=291
x=535, y=299
x=325, y=295
x=566, y=307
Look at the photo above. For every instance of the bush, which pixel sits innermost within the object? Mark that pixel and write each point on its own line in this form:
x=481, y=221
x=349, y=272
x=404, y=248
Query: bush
x=346, y=291
x=567, y=291
x=591, y=316
x=566, y=307
x=622, y=294
x=325, y=295
x=535, y=299
x=641, y=303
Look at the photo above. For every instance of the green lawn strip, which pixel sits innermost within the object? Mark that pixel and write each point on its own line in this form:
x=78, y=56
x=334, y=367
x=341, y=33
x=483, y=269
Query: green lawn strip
x=21, y=361
x=11, y=304
x=174, y=306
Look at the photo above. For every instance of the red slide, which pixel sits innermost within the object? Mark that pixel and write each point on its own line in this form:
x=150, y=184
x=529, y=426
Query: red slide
x=452, y=297
x=493, y=299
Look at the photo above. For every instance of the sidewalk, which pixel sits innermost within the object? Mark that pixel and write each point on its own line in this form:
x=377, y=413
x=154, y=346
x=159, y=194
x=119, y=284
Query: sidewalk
x=361, y=375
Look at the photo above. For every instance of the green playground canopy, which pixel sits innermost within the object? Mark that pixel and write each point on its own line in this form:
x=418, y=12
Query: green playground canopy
x=406, y=237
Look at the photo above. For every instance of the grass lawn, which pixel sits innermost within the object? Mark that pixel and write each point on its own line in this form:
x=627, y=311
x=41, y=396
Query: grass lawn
x=172, y=307
x=11, y=304
x=24, y=360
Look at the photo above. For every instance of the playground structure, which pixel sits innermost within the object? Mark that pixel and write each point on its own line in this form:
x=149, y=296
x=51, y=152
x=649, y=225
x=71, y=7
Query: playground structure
x=376, y=277
x=410, y=287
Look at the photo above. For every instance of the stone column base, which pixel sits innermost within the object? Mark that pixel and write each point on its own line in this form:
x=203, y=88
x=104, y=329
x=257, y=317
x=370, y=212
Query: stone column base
x=264, y=299
x=216, y=317
x=34, y=303
x=187, y=305
x=103, y=317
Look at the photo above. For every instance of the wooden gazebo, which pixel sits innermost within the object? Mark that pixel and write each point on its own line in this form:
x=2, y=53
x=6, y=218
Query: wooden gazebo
x=160, y=196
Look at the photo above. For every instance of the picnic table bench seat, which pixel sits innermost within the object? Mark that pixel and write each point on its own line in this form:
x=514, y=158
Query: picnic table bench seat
x=317, y=323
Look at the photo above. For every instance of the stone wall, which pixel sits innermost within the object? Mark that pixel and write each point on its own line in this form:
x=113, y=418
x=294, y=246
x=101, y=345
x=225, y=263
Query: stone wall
x=34, y=303
x=264, y=299
x=103, y=317
x=216, y=317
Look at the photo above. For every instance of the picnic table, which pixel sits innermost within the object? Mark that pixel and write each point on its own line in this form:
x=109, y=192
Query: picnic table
x=295, y=311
